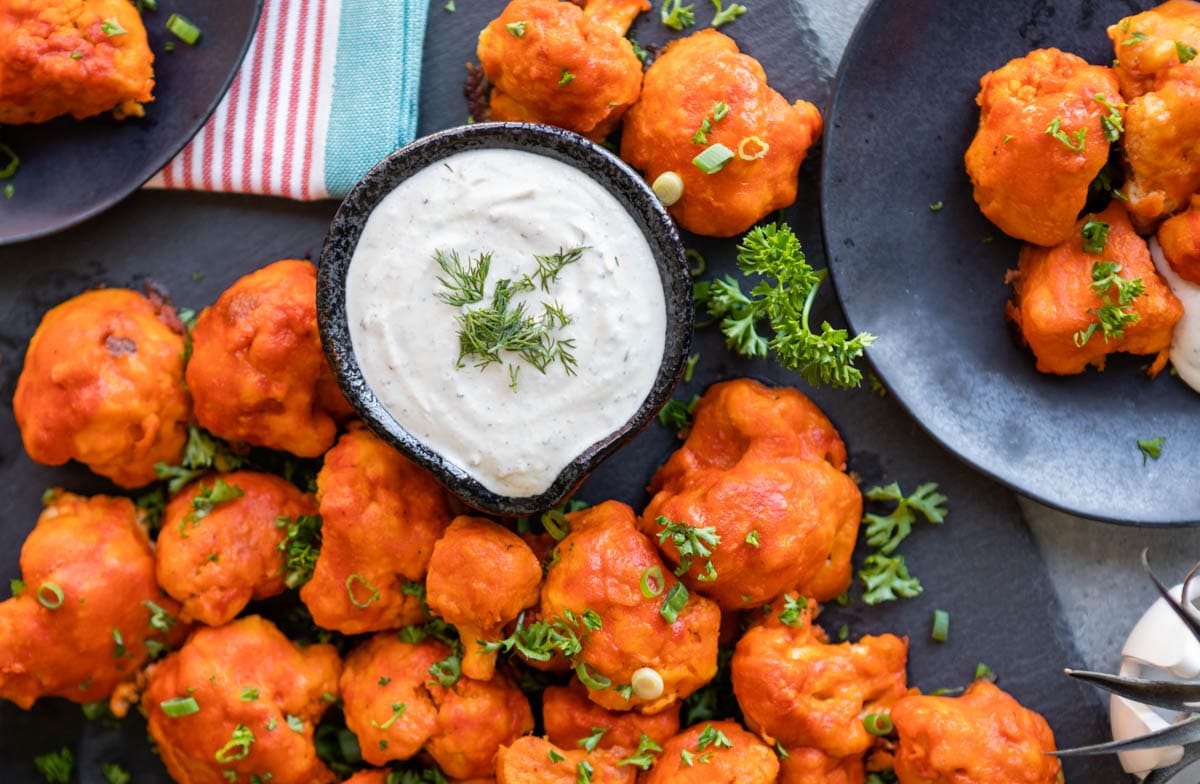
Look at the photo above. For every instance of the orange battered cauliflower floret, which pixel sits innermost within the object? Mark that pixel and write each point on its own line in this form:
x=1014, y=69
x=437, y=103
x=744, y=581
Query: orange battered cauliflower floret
x=1054, y=304
x=255, y=698
x=982, y=737
x=532, y=760
x=481, y=576
x=381, y=515
x=810, y=766
x=1180, y=240
x=79, y=625
x=257, y=372
x=760, y=481
x=718, y=752
x=795, y=688
x=1040, y=142
x=600, y=569
x=76, y=57
x=1162, y=147
x=103, y=384
x=702, y=91
x=1150, y=45
x=551, y=62
x=569, y=717
x=216, y=555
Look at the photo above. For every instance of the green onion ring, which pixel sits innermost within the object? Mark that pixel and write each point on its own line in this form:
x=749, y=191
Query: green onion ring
x=55, y=591
x=879, y=724
x=594, y=681
x=555, y=523
x=652, y=582
x=350, y=590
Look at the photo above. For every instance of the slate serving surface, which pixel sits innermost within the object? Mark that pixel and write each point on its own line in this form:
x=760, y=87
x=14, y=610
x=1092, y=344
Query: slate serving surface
x=981, y=565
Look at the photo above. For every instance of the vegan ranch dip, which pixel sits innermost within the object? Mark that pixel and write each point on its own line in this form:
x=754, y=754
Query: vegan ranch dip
x=1185, y=340
x=512, y=204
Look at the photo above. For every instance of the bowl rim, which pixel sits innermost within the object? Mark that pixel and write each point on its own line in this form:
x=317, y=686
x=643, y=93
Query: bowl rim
x=619, y=179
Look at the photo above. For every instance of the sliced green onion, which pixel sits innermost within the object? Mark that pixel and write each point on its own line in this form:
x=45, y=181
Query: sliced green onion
x=674, y=602
x=668, y=187
x=652, y=582
x=249, y=694
x=941, y=625
x=112, y=26
x=720, y=109
x=984, y=671
x=698, y=263
x=878, y=723
x=515, y=29
x=180, y=706
x=647, y=683
x=713, y=159
x=350, y=590
x=148, y=5
x=763, y=148
x=183, y=29
x=238, y=747
x=14, y=162
x=592, y=680
x=555, y=523
x=55, y=600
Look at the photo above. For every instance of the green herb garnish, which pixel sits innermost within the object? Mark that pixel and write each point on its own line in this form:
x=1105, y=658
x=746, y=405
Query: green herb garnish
x=1111, y=317
x=516, y=29
x=1095, y=235
x=886, y=532
x=886, y=579
x=1151, y=448
x=676, y=15
x=726, y=15
x=1074, y=142
x=692, y=542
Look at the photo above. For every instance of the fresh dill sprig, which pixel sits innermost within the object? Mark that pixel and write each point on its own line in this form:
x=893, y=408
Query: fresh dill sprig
x=464, y=285
x=550, y=266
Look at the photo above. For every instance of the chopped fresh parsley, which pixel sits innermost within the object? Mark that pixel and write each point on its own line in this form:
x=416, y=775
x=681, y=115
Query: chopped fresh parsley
x=1073, y=142
x=592, y=740
x=936, y=206
x=690, y=368
x=1135, y=37
x=886, y=532
x=692, y=542
x=1111, y=124
x=677, y=414
x=516, y=29
x=639, y=51
x=208, y=499
x=774, y=253
x=644, y=756
x=1095, y=235
x=540, y=640
x=115, y=774
x=1151, y=448
x=676, y=15
x=711, y=736
x=301, y=546
x=1111, y=317
x=886, y=579
x=793, y=610
x=701, y=134
x=1186, y=53
x=752, y=539
x=56, y=766
x=565, y=78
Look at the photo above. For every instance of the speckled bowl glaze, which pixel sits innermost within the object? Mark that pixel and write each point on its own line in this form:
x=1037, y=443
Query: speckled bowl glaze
x=618, y=178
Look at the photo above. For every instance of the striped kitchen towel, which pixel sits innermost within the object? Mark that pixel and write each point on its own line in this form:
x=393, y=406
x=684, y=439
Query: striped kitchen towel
x=328, y=87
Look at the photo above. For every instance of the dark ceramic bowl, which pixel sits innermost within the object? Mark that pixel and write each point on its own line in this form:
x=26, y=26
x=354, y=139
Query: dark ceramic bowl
x=621, y=181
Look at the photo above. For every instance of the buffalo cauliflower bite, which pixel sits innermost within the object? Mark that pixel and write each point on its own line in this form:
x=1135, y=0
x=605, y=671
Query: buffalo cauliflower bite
x=700, y=92
x=381, y=515
x=1054, y=303
x=634, y=657
x=982, y=737
x=103, y=384
x=1150, y=45
x=481, y=576
x=241, y=700
x=795, y=688
x=386, y=699
x=570, y=717
x=76, y=57
x=532, y=760
x=89, y=608
x=257, y=373
x=1040, y=142
x=551, y=62
x=810, y=766
x=474, y=720
x=222, y=545
x=759, y=484
x=718, y=752
x=1180, y=240
x=1162, y=147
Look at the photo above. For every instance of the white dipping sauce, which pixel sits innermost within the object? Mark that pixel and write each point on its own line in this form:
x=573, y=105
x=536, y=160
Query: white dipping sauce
x=512, y=204
x=1185, y=341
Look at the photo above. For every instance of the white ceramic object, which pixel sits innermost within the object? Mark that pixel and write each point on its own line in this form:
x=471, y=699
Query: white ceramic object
x=1159, y=647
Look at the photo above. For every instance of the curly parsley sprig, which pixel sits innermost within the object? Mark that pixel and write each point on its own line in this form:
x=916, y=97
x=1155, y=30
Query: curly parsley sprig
x=1111, y=317
x=773, y=252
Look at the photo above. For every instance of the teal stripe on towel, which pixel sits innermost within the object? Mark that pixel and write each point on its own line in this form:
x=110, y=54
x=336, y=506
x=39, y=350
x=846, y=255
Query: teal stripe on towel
x=376, y=82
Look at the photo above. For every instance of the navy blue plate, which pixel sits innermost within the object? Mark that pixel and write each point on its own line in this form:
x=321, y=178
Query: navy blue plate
x=72, y=170
x=931, y=284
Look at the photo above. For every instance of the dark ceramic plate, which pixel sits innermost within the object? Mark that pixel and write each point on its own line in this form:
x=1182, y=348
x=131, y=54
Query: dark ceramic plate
x=982, y=566
x=72, y=170
x=621, y=181
x=931, y=283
